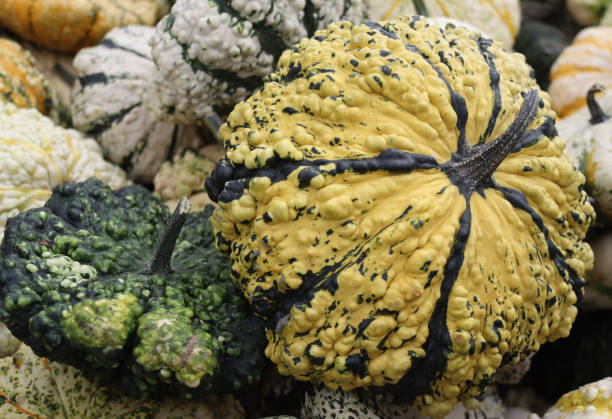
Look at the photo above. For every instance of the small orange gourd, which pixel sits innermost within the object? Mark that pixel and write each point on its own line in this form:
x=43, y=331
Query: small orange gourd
x=20, y=81
x=71, y=25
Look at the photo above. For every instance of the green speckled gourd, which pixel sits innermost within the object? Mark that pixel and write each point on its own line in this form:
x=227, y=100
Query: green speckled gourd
x=86, y=280
x=32, y=387
x=398, y=207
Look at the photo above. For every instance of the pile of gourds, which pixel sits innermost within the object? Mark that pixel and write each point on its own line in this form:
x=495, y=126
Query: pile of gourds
x=416, y=196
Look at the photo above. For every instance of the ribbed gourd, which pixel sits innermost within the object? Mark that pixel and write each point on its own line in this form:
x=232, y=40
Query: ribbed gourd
x=588, y=133
x=400, y=210
x=20, y=81
x=499, y=18
x=588, y=60
x=59, y=72
x=107, y=104
x=71, y=25
x=210, y=55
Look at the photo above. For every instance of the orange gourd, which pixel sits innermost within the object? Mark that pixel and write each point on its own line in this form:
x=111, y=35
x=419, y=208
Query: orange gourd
x=63, y=25
x=20, y=81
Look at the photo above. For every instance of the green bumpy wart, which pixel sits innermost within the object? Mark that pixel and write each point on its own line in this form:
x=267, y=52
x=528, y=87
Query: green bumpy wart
x=94, y=279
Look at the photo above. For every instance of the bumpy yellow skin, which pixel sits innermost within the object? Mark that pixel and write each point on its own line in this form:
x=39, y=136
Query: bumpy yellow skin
x=20, y=81
x=386, y=237
x=63, y=25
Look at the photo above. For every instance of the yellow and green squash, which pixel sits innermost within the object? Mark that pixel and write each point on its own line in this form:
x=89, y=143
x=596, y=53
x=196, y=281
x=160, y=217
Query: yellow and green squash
x=398, y=207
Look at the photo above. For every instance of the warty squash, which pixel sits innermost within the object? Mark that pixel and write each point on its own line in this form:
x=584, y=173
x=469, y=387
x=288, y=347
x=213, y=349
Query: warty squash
x=209, y=55
x=107, y=104
x=20, y=81
x=588, y=133
x=588, y=60
x=185, y=175
x=36, y=155
x=71, y=25
x=500, y=19
x=400, y=210
x=590, y=401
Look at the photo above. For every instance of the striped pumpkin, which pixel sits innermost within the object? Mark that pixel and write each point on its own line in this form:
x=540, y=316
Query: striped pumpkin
x=70, y=25
x=588, y=60
x=209, y=55
x=398, y=207
x=107, y=104
x=499, y=19
x=20, y=81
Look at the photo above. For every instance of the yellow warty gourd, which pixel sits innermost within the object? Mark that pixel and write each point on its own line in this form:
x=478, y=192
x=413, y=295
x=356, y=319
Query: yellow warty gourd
x=399, y=208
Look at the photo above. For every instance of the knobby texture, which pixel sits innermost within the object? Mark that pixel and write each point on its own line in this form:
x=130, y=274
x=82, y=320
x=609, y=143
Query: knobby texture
x=94, y=280
x=376, y=256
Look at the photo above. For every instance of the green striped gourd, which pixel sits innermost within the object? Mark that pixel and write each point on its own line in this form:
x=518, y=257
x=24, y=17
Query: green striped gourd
x=107, y=104
x=209, y=55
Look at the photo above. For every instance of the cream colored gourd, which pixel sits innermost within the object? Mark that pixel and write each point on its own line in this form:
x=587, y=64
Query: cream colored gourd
x=588, y=133
x=588, y=60
x=500, y=19
x=107, y=104
x=36, y=155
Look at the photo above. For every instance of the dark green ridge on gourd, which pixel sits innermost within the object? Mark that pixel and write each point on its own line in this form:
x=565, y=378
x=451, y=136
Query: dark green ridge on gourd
x=87, y=281
x=109, y=120
x=483, y=45
x=597, y=114
x=108, y=43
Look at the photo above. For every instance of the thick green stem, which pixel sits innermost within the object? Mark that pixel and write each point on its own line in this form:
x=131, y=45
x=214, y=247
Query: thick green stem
x=160, y=262
x=597, y=114
x=474, y=169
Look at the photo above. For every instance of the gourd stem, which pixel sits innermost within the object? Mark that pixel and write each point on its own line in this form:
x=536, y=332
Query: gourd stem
x=420, y=7
x=597, y=114
x=474, y=169
x=160, y=262
x=213, y=122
